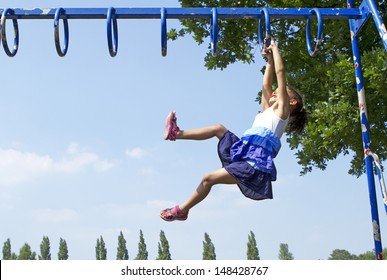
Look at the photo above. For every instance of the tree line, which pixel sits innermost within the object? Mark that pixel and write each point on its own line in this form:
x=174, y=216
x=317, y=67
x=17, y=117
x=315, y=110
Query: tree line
x=252, y=252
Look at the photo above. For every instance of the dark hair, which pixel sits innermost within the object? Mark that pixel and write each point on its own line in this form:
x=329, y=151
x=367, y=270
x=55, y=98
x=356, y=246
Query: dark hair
x=298, y=116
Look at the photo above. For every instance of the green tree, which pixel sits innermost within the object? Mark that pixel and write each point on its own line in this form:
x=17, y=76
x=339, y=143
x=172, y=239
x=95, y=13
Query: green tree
x=7, y=251
x=208, y=248
x=252, y=249
x=163, y=248
x=341, y=254
x=63, y=253
x=122, y=251
x=284, y=253
x=327, y=80
x=370, y=255
x=142, y=252
x=45, y=249
x=100, y=249
x=26, y=253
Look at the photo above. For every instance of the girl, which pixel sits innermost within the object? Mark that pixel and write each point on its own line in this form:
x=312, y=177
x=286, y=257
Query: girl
x=247, y=162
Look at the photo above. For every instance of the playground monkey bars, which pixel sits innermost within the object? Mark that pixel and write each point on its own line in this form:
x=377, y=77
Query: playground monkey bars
x=356, y=18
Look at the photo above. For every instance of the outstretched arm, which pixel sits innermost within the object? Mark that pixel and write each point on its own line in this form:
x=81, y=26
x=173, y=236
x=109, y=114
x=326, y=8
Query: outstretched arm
x=283, y=108
x=267, y=83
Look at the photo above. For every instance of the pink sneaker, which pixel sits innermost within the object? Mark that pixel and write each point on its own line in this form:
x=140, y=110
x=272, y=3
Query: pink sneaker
x=173, y=214
x=171, y=128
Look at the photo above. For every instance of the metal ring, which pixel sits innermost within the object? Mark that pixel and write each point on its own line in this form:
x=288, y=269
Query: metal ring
x=266, y=15
x=319, y=33
x=61, y=52
x=214, y=31
x=163, y=17
x=4, y=36
x=112, y=40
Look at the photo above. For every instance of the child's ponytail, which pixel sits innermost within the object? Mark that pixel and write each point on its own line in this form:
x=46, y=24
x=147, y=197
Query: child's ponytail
x=299, y=116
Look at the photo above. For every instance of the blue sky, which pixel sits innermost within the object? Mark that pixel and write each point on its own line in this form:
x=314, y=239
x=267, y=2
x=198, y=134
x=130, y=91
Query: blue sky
x=82, y=153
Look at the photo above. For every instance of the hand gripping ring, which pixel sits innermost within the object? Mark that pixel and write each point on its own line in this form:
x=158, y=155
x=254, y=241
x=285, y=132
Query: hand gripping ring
x=61, y=52
x=163, y=17
x=214, y=31
x=4, y=36
x=319, y=33
x=264, y=16
x=112, y=40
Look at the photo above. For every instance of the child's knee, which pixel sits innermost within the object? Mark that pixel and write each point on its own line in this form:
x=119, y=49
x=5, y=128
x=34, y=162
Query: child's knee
x=207, y=180
x=220, y=130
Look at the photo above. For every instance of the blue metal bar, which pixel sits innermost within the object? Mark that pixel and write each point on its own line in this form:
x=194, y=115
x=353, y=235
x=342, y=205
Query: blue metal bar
x=181, y=13
x=378, y=21
x=357, y=24
x=383, y=187
x=366, y=140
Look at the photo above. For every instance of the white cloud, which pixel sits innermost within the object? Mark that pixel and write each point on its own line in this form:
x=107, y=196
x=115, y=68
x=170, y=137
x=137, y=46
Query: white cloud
x=77, y=160
x=19, y=167
x=55, y=216
x=137, y=153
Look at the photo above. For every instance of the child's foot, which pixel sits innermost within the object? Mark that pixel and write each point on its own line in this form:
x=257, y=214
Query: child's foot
x=172, y=214
x=171, y=128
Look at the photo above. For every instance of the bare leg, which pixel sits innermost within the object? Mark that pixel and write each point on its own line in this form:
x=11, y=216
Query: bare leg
x=220, y=176
x=217, y=130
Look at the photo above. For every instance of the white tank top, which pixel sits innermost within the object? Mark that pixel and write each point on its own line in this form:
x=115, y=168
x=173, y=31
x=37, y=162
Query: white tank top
x=271, y=121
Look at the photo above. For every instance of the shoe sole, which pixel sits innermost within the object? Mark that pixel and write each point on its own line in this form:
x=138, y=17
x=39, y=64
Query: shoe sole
x=176, y=219
x=168, y=125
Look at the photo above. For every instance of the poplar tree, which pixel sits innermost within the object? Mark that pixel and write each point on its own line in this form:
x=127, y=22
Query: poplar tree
x=63, y=253
x=122, y=251
x=7, y=253
x=208, y=248
x=163, y=248
x=100, y=249
x=252, y=249
x=142, y=252
x=45, y=249
x=26, y=253
x=284, y=253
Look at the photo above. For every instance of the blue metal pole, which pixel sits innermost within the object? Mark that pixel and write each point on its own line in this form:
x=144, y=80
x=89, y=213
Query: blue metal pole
x=366, y=140
x=378, y=21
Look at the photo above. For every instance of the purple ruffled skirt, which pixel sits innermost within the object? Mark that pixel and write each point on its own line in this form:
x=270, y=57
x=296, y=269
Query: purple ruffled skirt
x=253, y=183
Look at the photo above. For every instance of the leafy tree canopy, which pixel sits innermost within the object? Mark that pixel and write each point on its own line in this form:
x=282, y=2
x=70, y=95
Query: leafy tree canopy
x=327, y=81
x=208, y=248
x=252, y=249
x=142, y=251
x=100, y=249
x=26, y=253
x=45, y=249
x=122, y=251
x=284, y=253
x=63, y=253
x=163, y=248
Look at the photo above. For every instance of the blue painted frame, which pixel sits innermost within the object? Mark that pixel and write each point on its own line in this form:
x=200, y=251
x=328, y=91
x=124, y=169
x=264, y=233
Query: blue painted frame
x=356, y=17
